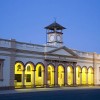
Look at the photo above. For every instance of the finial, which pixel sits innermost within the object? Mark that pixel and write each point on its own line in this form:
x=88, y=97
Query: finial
x=55, y=19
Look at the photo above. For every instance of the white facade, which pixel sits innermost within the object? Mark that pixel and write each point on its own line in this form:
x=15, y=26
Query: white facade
x=12, y=51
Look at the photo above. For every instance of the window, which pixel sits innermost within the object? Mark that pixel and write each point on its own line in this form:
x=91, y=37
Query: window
x=19, y=68
x=28, y=68
x=18, y=77
x=28, y=77
x=39, y=71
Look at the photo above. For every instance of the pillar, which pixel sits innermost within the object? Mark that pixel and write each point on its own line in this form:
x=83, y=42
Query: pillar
x=81, y=78
x=56, y=75
x=65, y=75
x=12, y=62
x=45, y=74
x=34, y=78
x=23, y=79
x=74, y=77
x=95, y=69
x=87, y=77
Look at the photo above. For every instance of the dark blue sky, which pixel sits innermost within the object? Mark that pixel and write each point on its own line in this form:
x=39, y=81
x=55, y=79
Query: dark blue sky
x=24, y=20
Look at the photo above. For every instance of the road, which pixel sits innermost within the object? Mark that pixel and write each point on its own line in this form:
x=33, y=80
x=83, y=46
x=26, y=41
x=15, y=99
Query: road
x=55, y=94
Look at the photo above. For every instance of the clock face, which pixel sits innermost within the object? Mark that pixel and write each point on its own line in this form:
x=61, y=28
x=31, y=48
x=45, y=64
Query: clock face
x=58, y=38
x=52, y=37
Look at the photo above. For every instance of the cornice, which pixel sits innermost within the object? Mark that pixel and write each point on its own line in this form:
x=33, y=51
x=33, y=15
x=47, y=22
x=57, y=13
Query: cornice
x=40, y=53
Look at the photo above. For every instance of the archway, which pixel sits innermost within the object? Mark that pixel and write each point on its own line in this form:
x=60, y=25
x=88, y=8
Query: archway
x=18, y=70
x=29, y=75
x=90, y=76
x=60, y=75
x=84, y=75
x=78, y=75
x=69, y=75
x=39, y=75
x=50, y=69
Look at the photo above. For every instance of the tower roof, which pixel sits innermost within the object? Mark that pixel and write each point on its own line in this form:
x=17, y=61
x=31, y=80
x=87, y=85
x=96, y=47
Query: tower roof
x=55, y=25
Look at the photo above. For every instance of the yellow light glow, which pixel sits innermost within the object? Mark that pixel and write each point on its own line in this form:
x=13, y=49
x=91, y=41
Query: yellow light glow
x=78, y=75
x=39, y=81
x=70, y=75
x=90, y=76
x=84, y=76
x=29, y=75
x=18, y=75
x=50, y=80
x=60, y=75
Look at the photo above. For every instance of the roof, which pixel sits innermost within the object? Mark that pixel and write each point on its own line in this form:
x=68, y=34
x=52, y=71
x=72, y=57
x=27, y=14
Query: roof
x=66, y=49
x=55, y=25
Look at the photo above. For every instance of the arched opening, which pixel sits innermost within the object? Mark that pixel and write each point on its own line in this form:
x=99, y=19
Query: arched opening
x=69, y=75
x=90, y=76
x=50, y=75
x=29, y=75
x=78, y=75
x=18, y=70
x=60, y=75
x=39, y=75
x=84, y=75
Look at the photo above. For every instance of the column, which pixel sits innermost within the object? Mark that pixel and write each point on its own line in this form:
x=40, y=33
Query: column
x=12, y=62
x=65, y=75
x=23, y=79
x=45, y=74
x=56, y=75
x=74, y=77
x=86, y=78
x=95, y=70
x=34, y=79
x=80, y=78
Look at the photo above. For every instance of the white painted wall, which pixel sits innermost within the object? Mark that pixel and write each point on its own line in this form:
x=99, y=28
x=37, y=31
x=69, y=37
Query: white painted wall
x=32, y=57
x=6, y=71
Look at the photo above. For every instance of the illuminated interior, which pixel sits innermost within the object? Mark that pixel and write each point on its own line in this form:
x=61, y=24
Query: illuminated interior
x=78, y=75
x=90, y=76
x=60, y=75
x=18, y=81
x=50, y=75
x=84, y=75
x=39, y=75
x=70, y=75
x=29, y=75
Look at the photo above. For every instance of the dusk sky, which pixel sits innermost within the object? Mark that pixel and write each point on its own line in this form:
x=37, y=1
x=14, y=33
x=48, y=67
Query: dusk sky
x=24, y=20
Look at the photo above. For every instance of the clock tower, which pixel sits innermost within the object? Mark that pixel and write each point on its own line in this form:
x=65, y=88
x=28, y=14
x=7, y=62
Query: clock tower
x=54, y=34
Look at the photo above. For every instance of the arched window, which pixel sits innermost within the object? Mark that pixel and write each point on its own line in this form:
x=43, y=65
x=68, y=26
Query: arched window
x=39, y=71
x=28, y=68
x=19, y=68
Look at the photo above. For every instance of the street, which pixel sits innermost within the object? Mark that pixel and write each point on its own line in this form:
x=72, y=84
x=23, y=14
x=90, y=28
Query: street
x=57, y=94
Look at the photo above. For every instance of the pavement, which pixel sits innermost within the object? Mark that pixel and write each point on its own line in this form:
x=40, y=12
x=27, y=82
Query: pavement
x=46, y=89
